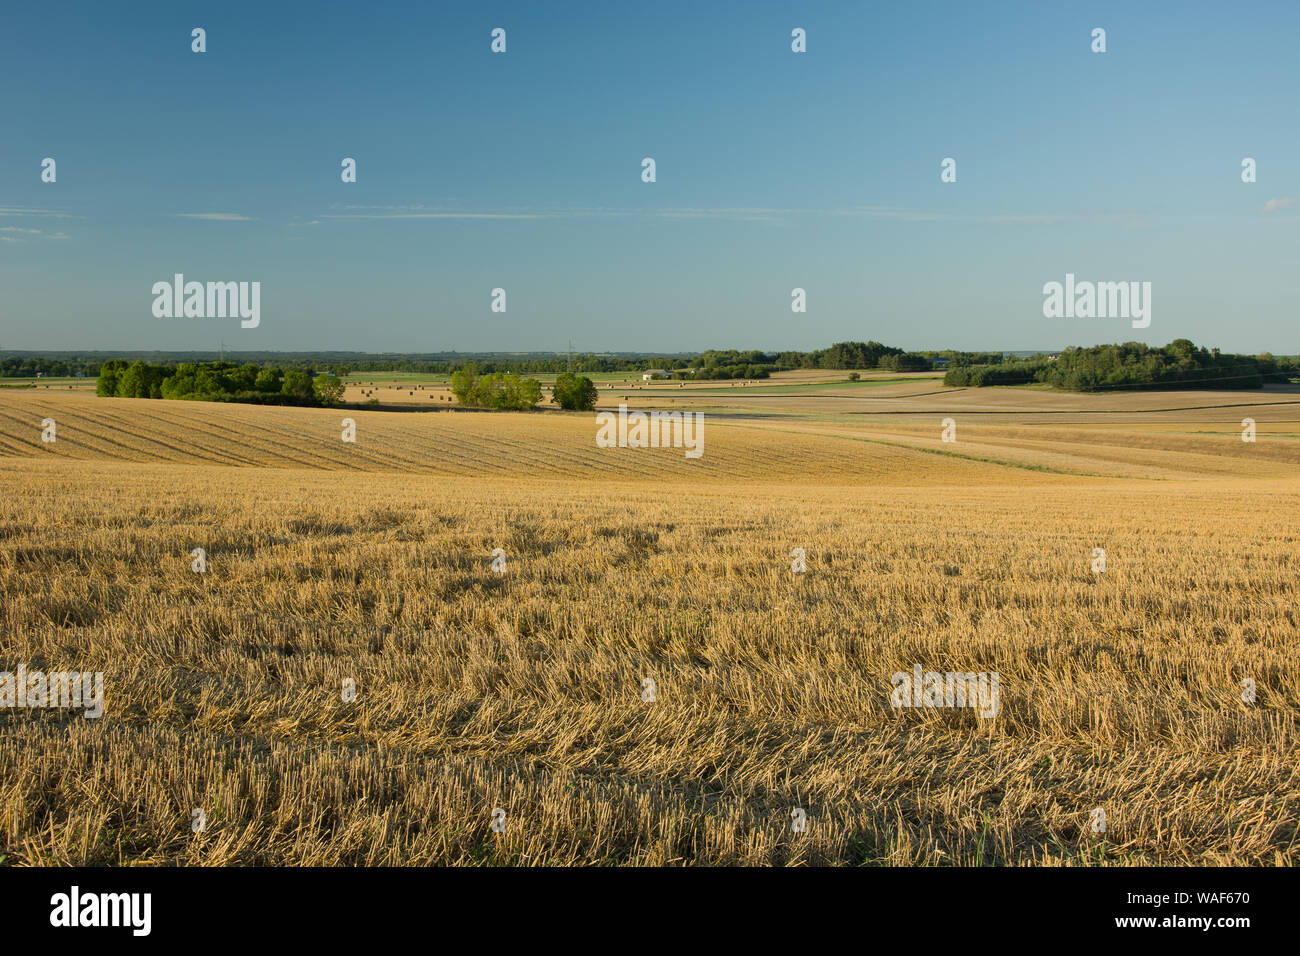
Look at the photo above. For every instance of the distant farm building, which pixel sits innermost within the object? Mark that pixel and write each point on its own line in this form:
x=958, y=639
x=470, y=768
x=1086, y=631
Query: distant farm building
x=648, y=374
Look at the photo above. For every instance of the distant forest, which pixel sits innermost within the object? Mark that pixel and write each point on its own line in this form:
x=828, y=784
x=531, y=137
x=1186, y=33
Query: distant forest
x=1133, y=365
x=1180, y=364
x=714, y=363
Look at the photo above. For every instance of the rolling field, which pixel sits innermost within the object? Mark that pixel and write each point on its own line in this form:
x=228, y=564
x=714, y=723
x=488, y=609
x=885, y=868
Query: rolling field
x=523, y=690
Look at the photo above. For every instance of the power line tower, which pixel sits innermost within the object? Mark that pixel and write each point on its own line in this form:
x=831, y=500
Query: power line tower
x=570, y=355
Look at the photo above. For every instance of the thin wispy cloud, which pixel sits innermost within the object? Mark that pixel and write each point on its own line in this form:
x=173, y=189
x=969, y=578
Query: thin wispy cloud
x=1275, y=204
x=732, y=214
x=35, y=212
x=436, y=215
x=599, y=212
x=739, y=215
x=902, y=214
x=426, y=212
x=19, y=234
x=216, y=216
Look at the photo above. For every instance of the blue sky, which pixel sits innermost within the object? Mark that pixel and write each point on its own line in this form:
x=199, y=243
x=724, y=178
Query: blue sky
x=522, y=171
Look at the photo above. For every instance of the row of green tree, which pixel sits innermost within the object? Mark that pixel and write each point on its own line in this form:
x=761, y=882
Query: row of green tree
x=507, y=391
x=218, y=382
x=1133, y=365
x=502, y=390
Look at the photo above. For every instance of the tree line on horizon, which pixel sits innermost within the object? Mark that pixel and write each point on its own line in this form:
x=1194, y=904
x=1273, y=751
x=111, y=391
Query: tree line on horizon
x=1135, y=365
x=218, y=382
x=1180, y=364
x=707, y=365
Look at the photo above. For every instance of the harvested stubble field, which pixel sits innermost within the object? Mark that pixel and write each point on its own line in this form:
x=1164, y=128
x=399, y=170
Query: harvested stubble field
x=523, y=690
